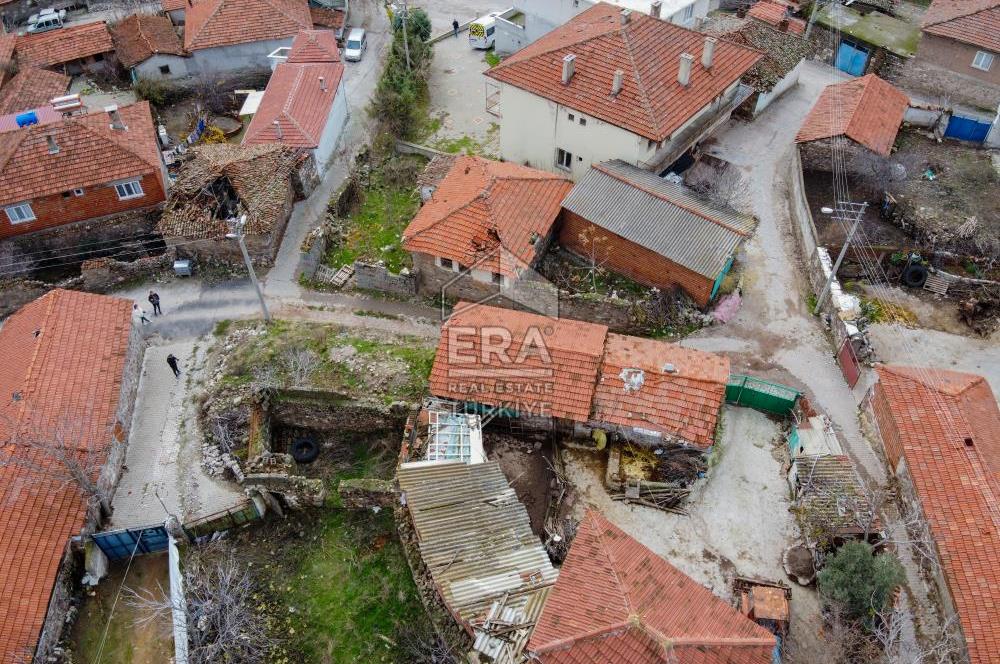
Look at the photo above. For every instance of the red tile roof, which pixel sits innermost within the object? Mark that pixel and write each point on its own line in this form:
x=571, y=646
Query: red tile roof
x=949, y=431
x=211, y=23
x=684, y=403
x=7, y=41
x=141, y=36
x=975, y=22
x=173, y=5
x=616, y=602
x=31, y=88
x=90, y=153
x=70, y=372
x=56, y=47
x=867, y=110
x=327, y=18
x=549, y=368
x=652, y=102
x=774, y=13
x=482, y=205
x=294, y=96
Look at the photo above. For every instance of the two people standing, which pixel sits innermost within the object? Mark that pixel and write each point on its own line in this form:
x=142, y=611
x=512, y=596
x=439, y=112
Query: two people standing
x=140, y=314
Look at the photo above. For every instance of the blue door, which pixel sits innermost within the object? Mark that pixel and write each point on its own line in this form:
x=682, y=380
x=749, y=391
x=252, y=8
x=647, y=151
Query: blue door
x=967, y=129
x=852, y=58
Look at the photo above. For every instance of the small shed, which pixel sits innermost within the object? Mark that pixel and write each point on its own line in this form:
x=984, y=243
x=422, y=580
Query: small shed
x=865, y=41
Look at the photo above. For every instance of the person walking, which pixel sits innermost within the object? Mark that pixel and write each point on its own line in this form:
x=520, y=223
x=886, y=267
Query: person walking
x=172, y=361
x=139, y=314
x=454, y=26
x=154, y=299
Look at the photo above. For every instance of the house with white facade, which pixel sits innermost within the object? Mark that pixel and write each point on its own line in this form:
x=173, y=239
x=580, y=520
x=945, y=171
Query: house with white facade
x=148, y=47
x=304, y=105
x=232, y=35
x=534, y=18
x=615, y=84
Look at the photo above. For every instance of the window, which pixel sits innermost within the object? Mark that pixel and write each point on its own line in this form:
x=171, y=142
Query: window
x=19, y=214
x=688, y=13
x=572, y=117
x=127, y=190
x=99, y=57
x=490, y=31
x=78, y=192
x=583, y=122
x=498, y=279
x=564, y=159
x=164, y=69
x=983, y=60
x=446, y=263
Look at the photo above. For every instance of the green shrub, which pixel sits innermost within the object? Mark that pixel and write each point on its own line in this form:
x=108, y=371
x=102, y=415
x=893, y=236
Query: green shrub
x=860, y=583
x=418, y=22
x=155, y=92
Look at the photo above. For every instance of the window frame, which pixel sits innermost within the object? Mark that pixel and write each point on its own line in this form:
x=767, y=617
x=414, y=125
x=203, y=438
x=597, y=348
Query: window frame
x=688, y=12
x=497, y=278
x=564, y=159
x=164, y=70
x=134, y=184
x=985, y=56
x=79, y=191
x=583, y=121
x=20, y=206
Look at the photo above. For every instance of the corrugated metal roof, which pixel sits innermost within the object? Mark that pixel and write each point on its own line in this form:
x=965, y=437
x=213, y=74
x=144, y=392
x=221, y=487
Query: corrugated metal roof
x=475, y=538
x=659, y=215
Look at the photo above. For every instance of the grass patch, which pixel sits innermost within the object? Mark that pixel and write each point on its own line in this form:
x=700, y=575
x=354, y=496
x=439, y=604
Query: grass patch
x=811, y=302
x=880, y=311
x=222, y=328
x=376, y=314
x=460, y=145
x=491, y=58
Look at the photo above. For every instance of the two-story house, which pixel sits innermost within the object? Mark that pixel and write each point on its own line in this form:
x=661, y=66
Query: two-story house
x=616, y=84
x=57, y=170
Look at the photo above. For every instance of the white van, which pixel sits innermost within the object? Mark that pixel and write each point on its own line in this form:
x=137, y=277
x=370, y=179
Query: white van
x=355, y=45
x=481, y=31
x=45, y=20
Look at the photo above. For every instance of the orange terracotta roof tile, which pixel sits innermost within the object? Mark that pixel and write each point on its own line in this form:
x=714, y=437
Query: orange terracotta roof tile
x=90, y=153
x=679, y=394
x=31, y=88
x=7, y=42
x=652, y=102
x=548, y=367
x=975, y=22
x=774, y=13
x=867, y=110
x=488, y=214
x=212, y=23
x=56, y=47
x=64, y=355
x=949, y=431
x=299, y=94
x=174, y=5
x=616, y=602
x=141, y=36
x=327, y=18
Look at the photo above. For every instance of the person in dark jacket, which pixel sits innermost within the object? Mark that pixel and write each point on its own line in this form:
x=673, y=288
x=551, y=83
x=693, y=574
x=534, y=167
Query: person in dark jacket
x=172, y=361
x=154, y=299
x=454, y=26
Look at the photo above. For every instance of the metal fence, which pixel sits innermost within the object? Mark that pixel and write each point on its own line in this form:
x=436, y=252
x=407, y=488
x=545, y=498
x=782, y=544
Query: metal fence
x=120, y=544
x=231, y=518
x=761, y=394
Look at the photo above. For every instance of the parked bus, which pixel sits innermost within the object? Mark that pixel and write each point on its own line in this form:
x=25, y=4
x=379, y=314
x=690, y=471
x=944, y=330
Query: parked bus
x=481, y=31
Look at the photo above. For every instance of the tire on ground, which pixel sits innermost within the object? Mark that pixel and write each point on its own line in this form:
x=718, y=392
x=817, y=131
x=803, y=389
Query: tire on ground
x=915, y=276
x=305, y=450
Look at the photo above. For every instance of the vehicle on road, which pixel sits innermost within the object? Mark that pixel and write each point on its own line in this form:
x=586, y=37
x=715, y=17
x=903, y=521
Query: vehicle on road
x=356, y=44
x=45, y=20
x=481, y=31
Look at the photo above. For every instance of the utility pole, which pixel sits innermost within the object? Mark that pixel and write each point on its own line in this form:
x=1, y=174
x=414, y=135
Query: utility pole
x=406, y=38
x=237, y=234
x=848, y=212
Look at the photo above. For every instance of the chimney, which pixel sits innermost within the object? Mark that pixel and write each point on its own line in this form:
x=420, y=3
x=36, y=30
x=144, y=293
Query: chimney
x=783, y=24
x=53, y=146
x=684, y=73
x=322, y=84
x=116, y=118
x=277, y=129
x=618, y=82
x=626, y=15
x=654, y=9
x=569, y=67
x=708, y=53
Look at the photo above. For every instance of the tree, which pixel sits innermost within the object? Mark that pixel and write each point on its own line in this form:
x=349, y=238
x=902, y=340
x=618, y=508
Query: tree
x=418, y=22
x=300, y=364
x=859, y=582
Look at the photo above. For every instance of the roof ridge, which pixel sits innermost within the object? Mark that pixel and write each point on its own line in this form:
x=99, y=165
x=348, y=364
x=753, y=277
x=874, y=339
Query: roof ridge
x=107, y=139
x=663, y=197
x=208, y=19
x=613, y=567
x=43, y=325
x=638, y=79
x=281, y=10
x=611, y=28
x=19, y=137
x=963, y=12
x=591, y=634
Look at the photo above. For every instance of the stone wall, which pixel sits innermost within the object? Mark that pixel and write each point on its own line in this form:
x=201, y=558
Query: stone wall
x=323, y=411
x=111, y=472
x=59, y=604
x=102, y=274
x=366, y=493
x=379, y=278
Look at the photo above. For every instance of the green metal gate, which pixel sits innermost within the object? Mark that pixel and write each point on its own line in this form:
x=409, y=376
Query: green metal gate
x=761, y=394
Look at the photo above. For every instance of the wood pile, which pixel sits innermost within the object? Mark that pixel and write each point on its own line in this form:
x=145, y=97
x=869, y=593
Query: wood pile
x=667, y=499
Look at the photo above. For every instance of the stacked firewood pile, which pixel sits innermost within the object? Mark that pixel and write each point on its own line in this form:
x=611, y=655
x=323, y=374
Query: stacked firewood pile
x=679, y=465
x=667, y=499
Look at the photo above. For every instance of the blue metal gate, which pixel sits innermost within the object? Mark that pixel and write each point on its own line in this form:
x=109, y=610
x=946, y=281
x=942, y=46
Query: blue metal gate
x=119, y=544
x=967, y=129
x=852, y=58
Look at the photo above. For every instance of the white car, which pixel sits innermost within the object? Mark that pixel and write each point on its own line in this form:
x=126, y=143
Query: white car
x=45, y=20
x=355, y=45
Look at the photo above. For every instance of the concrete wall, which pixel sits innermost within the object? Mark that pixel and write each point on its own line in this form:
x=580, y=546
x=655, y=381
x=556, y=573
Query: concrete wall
x=150, y=69
x=252, y=55
x=335, y=122
x=378, y=278
x=790, y=80
x=957, y=57
x=532, y=128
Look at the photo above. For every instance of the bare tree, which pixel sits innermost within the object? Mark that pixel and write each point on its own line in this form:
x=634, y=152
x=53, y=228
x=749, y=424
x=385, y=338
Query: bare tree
x=222, y=429
x=300, y=363
x=944, y=647
x=224, y=624
x=595, y=244
x=728, y=189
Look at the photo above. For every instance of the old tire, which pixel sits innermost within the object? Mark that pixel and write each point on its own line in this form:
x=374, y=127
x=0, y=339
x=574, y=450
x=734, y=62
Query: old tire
x=304, y=450
x=915, y=276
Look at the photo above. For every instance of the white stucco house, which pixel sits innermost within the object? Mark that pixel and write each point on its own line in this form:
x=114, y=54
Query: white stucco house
x=534, y=18
x=304, y=105
x=149, y=48
x=232, y=35
x=615, y=84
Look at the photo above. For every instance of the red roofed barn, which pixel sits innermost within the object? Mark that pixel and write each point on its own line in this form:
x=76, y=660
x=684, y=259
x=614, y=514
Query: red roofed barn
x=232, y=35
x=304, y=104
x=617, y=602
x=615, y=84
x=580, y=376
x=65, y=170
x=492, y=218
x=148, y=46
x=963, y=36
x=71, y=50
x=72, y=360
x=941, y=432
